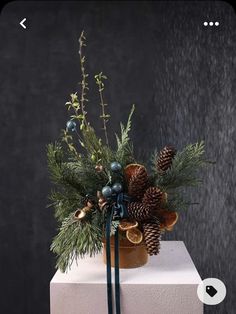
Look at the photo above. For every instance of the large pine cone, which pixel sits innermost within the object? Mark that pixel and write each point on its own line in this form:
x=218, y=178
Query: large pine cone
x=153, y=198
x=152, y=236
x=139, y=211
x=165, y=158
x=138, y=183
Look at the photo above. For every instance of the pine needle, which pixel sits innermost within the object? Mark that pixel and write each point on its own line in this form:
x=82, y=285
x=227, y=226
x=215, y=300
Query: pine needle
x=75, y=239
x=183, y=171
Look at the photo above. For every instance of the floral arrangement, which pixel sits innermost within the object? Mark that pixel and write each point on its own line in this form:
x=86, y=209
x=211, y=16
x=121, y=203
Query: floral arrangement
x=90, y=177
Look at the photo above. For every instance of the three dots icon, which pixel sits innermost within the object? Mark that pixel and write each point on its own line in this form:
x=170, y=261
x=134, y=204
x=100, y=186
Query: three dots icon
x=211, y=23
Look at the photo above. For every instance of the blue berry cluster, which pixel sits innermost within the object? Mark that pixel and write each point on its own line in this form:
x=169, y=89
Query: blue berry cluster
x=117, y=187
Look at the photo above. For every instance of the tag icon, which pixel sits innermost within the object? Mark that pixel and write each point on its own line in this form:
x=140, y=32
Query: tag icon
x=211, y=291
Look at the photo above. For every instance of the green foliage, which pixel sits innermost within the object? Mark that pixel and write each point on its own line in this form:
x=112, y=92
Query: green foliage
x=60, y=171
x=92, y=143
x=79, y=174
x=65, y=201
x=183, y=171
x=83, y=83
x=176, y=201
x=75, y=239
x=74, y=103
x=55, y=157
x=124, y=153
x=68, y=140
x=99, y=78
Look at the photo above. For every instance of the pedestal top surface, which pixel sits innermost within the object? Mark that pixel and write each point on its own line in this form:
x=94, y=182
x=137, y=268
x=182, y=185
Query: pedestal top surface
x=173, y=265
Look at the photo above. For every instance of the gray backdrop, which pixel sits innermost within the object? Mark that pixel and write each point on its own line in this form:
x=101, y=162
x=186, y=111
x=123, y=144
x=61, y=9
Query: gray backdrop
x=158, y=55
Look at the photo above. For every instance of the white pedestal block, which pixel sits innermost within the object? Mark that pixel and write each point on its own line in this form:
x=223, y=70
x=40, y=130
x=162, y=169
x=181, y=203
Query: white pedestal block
x=167, y=284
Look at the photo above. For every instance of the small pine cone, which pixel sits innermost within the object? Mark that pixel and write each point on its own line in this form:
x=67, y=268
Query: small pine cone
x=153, y=198
x=165, y=158
x=138, y=183
x=139, y=211
x=152, y=236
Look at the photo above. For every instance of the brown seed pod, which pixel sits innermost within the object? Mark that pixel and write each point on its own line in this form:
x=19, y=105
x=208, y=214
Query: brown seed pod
x=101, y=203
x=90, y=204
x=79, y=214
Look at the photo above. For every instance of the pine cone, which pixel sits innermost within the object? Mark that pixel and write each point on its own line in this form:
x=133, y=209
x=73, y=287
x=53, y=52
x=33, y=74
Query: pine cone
x=165, y=158
x=138, y=183
x=139, y=211
x=152, y=236
x=152, y=198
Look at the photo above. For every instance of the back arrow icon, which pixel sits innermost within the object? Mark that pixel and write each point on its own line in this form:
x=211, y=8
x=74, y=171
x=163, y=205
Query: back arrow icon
x=22, y=23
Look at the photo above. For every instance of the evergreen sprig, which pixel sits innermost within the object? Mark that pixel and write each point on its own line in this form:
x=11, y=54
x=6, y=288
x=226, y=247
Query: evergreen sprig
x=124, y=152
x=65, y=201
x=176, y=201
x=76, y=238
x=55, y=157
x=183, y=171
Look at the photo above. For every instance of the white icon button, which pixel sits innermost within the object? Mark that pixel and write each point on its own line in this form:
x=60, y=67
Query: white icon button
x=211, y=23
x=211, y=291
x=22, y=23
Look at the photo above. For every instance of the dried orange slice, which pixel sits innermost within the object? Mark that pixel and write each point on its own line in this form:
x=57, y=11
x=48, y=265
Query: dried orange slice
x=134, y=235
x=167, y=218
x=127, y=224
x=129, y=170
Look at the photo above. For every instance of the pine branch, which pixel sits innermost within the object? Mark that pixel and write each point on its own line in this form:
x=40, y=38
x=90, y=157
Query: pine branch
x=176, y=202
x=183, y=171
x=85, y=176
x=65, y=201
x=75, y=239
x=79, y=175
x=55, y=157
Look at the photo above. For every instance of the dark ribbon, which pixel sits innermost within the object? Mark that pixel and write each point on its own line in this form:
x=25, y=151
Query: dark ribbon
x=117, y=210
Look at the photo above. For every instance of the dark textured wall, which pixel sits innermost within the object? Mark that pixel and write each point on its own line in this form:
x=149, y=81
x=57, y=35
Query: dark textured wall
x=180, y=75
